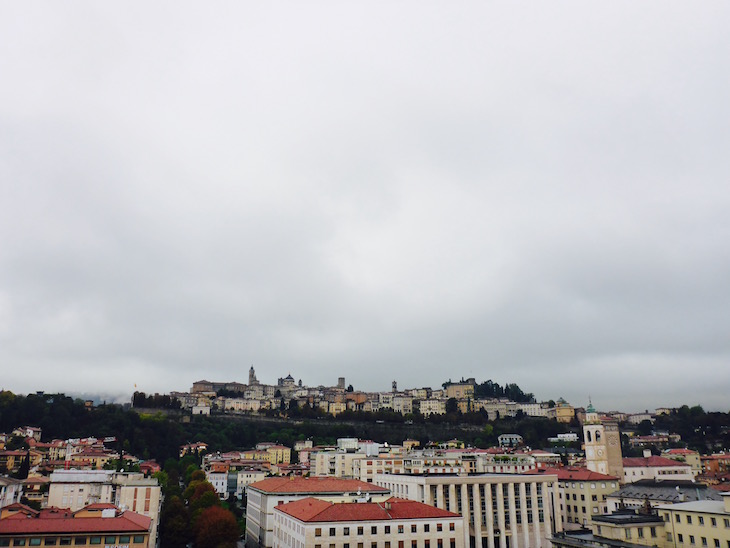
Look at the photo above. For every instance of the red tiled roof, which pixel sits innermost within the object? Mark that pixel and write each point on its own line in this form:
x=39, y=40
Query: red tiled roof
x=681, y=452
x=291, y=484
x=63, y=523
x=22, y=508
x=642, y=462
x=33, y=480
x=315, y=510
x=573, y=473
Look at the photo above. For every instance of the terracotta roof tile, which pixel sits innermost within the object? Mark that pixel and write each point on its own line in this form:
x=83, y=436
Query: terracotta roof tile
x=573, y=473
x=291, y=484
x=315, y=510
x=640, y=462
x=63, y=523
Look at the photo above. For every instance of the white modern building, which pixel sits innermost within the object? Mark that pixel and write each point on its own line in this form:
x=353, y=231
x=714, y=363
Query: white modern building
x=501, y=510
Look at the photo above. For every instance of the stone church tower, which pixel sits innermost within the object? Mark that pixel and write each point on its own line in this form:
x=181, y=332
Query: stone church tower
x=602, y=441
x=252, y=380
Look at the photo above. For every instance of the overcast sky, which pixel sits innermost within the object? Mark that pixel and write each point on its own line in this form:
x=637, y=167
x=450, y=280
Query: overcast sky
x=529, y=192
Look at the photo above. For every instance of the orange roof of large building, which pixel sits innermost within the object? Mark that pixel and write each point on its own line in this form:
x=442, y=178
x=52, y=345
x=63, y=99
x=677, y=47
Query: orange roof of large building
x=681, y=452
x=58, y=521
x=641, y=462
x=573, y=473
x=316, y=485
x=316, y=510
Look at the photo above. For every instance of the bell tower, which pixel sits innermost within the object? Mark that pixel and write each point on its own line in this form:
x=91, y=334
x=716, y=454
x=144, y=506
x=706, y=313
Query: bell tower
x=602, y=441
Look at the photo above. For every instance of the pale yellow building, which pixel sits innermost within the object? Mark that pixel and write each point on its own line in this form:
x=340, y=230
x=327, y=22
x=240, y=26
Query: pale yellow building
x=460, y=391
x=564, y=412
x=582, y=494
x=700, y=523
x=686, y=456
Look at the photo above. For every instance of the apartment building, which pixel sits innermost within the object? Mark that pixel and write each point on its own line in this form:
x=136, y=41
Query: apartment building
x=582, y=494
x=77, y=489
x=700, y=523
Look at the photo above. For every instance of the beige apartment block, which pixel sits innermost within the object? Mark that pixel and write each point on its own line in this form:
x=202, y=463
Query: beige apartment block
x=700, y=523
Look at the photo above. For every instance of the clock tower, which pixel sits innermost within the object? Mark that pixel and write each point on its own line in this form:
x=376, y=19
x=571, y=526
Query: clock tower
x=602, y=441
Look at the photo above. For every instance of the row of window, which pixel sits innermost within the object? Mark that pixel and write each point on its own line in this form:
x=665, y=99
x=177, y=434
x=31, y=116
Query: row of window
x=386, y=529
x=593, y=485
x=387, y=544
x=583, y=497
x=76, y=541
x=692, y=541
x=700, y=520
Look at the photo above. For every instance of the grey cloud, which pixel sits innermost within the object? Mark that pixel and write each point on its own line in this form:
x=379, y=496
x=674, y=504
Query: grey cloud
x=525, y=193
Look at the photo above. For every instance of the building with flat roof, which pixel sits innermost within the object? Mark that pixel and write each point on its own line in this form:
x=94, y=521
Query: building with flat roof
x=500, y=510
x=698, y=523
x=658, y=493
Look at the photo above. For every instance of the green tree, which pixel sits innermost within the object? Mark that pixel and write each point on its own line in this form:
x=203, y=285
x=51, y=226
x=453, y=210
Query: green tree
x=175, y=528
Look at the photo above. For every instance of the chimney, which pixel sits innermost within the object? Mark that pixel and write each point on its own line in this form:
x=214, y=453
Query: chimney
x=647, y=453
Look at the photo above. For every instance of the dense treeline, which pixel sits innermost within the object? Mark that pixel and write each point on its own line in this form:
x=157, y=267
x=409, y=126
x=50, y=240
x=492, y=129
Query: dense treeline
x=699, y=430
x=157, y=401
x=60, y=416
x=511, y=391
x=159, y=437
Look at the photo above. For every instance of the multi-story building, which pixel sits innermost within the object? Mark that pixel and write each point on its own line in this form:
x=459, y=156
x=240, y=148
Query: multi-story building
x=634, y=496
x=499, y=509
x=430, y=407
x=76, y=489
x=686, y=456
x=582, y=494
x=366, y=468
x=11, y=490
x=655, y=468
x=460, y=390
x=278, y=454
x=340, y=464
x=264, y=495
x=699, y=523
x=623, y=528
x=394, y=522
x=509, y=440
x=564, y=412
x=92, y=525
